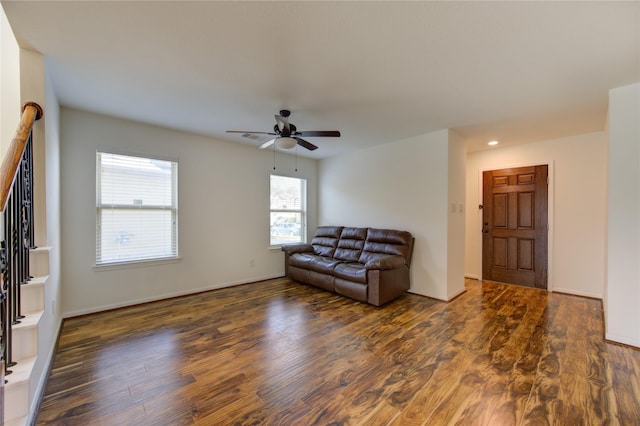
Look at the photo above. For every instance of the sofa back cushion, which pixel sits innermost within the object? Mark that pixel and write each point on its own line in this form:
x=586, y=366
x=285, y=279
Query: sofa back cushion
x=381, y=242
x=350, y=244
x=326, y=240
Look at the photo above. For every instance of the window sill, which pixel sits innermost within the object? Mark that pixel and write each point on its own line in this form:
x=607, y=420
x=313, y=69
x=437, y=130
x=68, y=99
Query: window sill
x=136, y=264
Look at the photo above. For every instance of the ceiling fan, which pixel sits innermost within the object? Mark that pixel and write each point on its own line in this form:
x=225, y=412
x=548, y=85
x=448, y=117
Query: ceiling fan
x=287, y=136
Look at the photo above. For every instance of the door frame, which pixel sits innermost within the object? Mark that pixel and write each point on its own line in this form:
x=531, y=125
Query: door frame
x=550, y=209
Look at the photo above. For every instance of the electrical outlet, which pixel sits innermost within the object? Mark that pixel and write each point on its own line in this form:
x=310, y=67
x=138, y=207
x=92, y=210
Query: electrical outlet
x=252, y=263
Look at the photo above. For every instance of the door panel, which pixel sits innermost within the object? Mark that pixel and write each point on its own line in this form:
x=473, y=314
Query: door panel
x=514, y=243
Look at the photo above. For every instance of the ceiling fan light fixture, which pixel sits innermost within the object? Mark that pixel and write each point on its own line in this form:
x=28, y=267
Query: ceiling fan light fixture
x=286, y=142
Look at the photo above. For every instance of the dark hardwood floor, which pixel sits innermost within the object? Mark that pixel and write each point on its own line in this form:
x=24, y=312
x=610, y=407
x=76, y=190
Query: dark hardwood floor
x=281, y=353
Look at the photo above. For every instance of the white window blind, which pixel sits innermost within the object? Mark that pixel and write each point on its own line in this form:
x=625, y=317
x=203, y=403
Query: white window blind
x=288, y=210
x=137, y=209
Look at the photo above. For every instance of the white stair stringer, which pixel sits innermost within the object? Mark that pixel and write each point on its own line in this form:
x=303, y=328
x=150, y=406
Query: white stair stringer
x=17, y=393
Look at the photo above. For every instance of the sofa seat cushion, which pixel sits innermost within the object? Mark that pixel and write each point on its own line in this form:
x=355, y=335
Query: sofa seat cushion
x=324, y=265
x=302, y=260
x=352, y=272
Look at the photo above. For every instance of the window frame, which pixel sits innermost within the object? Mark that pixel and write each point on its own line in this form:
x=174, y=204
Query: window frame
x=302, y=211
x=101, y=207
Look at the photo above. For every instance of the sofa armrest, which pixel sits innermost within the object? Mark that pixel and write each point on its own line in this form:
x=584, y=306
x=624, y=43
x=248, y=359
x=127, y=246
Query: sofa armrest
x=385, y=262
x=297, y=248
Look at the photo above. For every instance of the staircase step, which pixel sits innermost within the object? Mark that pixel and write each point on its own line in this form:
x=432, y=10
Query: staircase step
x=39, y=261
x=32, y=295
x=16, y=391
x=25, y=337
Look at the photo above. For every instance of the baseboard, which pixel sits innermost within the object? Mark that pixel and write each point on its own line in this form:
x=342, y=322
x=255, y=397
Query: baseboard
x=428, y=297
x=102, y=308
x=472, y=276
x=622, y=340
x=456, y=295
x=577, y=293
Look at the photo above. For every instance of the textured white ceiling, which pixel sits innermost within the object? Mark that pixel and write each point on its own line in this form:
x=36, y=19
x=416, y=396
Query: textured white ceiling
x=377, y=71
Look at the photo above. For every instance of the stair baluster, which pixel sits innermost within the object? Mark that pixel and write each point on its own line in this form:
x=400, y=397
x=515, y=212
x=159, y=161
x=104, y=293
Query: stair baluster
x=16, y=199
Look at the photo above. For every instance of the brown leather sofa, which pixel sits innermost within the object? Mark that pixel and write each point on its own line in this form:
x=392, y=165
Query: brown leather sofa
x=367, y=264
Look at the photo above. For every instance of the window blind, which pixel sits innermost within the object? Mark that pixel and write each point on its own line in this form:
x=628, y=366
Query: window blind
x=136, y=208
x=288, y=209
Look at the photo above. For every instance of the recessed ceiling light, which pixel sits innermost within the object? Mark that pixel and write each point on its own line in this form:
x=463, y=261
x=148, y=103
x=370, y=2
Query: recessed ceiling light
x=492, y=143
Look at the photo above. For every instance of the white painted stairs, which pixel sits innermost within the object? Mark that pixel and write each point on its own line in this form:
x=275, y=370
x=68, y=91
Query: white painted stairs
x=17, y=400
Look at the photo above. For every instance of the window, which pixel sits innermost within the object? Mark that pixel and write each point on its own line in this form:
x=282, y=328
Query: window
x=288, y=210
x=137, y=209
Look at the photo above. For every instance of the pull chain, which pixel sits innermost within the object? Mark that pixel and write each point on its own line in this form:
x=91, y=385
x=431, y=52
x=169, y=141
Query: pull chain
x=296, y=157
x=274, y=156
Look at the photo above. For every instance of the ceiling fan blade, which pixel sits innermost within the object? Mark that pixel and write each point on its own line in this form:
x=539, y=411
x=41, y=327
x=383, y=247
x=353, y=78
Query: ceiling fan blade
x=283, y=125
x=305, y=144
x=267, y=144
x=253, y=133
x=325, y=133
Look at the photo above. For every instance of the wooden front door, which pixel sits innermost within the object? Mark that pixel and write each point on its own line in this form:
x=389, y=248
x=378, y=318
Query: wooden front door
x=514, y=219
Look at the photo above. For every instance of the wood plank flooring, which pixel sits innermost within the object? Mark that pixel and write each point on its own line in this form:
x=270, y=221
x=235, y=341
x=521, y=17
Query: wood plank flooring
x=281, y=353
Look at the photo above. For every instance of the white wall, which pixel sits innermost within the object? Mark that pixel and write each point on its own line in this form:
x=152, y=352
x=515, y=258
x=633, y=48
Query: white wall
x=223, y=212
x=36, y=87
x=622, y=309
x=400, y=185
x=32, y=75
x=577, y=199
x=456, y=217
x=9, y=83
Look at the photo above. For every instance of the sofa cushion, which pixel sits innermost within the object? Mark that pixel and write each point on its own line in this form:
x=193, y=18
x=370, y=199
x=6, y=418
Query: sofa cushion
x=350, y=244
x=326, y=240
x=351, y=271
x=324, y=265
x=384, y=242
x=301, y=260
